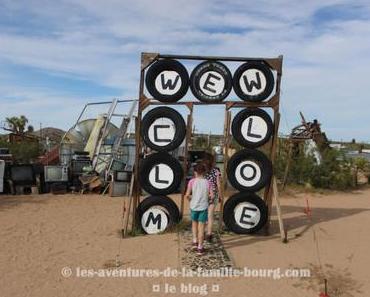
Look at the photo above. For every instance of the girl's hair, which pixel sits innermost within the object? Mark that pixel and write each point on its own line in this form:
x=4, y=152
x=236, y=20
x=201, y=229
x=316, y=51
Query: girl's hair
x=199, y=168
x=208, y=161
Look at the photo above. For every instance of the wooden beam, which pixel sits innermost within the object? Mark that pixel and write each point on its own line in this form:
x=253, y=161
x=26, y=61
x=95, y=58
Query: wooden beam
x=275, y=195
x=185, y=165
x=227, y=123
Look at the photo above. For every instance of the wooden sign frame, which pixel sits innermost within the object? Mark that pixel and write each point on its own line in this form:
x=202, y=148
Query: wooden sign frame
x=270, y=191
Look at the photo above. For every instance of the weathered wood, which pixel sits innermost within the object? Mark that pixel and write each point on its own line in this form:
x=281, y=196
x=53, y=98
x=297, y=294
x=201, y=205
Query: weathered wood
x=227, y=123
x=275, y=63
x=287, y=167
x=278, y=210
x=128, y=210
x=185, y=165
x=269, y=192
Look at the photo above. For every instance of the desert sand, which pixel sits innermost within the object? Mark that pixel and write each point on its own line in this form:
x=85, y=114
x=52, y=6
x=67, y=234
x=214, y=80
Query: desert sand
x=40, y=235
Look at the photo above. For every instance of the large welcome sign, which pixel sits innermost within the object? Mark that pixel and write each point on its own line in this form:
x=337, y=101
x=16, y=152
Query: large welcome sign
x=252, y=88
x=211, y=81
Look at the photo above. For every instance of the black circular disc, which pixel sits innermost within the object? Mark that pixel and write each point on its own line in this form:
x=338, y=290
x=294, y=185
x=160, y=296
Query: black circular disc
x=163, y=129
x=245, y=213
x=160, y=174
x=249, y=170
x=167, y=80
x=211, y=82
x=253, y=81
x=156, y=214
x=252, y=127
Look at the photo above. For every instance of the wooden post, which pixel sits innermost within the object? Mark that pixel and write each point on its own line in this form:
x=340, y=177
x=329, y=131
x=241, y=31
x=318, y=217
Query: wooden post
x=278, y=210
x=269, y=190
x=128, y=210
x=136, y=189
x=187, y=143
x=286, y=173
x=226, y=158
x=146, y=60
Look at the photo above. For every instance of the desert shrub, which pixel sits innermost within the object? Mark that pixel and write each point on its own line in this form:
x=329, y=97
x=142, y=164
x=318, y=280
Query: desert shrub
x=24, y=152
x=301, y=166
x=333, y=172
x=363, y=165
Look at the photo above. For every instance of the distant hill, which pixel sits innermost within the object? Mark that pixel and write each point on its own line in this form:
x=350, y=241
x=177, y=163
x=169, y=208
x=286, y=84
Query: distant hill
x=53, y=134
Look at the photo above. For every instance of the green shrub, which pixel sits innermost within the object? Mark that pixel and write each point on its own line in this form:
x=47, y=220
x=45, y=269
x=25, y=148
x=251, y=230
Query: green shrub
x=333, y=172
x=24, y=152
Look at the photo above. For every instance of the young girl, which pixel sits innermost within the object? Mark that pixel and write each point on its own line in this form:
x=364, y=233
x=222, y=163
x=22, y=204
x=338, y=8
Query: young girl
x=201, y=191
x=213, y=175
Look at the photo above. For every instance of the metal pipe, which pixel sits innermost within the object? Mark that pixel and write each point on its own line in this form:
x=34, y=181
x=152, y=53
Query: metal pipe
x=110, y=102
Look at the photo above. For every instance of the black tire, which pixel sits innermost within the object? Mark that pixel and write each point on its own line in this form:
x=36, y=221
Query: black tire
x=261, y=170
x=227, y=208
x=266, y=71
x=167, y=65
x=237, y=128
x=251, y=212
x=203, y=68
x=153, y=184
x=164, y=207
x=179, y=126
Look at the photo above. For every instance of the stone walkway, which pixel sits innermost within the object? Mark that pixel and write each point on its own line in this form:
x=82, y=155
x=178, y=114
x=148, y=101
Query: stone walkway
x=215, y=256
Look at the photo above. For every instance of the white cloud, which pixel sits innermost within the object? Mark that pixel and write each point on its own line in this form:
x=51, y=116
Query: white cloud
x=101, y=41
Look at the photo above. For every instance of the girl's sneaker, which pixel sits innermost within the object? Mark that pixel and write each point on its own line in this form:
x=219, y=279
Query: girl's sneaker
x=200, y=251
x=209, y=238
x=194, y=246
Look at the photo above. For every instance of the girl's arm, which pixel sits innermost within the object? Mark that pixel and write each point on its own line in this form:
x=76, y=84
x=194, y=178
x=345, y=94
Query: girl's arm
x=188, y=190
x=211, y=194
x=219, y=186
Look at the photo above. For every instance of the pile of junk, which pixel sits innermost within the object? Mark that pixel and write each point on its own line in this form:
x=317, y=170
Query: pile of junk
x=96, y=154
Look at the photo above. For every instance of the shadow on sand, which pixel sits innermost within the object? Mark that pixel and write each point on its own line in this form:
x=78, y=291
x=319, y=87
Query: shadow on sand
x=8, y=202
x=296, y=225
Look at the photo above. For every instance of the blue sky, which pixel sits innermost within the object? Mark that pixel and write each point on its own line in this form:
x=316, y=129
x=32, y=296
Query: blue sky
x=57, y=55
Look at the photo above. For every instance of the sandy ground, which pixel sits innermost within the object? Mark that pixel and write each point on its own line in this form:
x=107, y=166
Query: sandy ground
x=40, y=235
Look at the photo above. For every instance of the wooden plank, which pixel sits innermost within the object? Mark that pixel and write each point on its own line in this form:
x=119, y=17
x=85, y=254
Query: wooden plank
x=187, y=143
x=128, y=210
x=268, y=192
x=227, y=124
x=278, y=210
x=287, y=167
